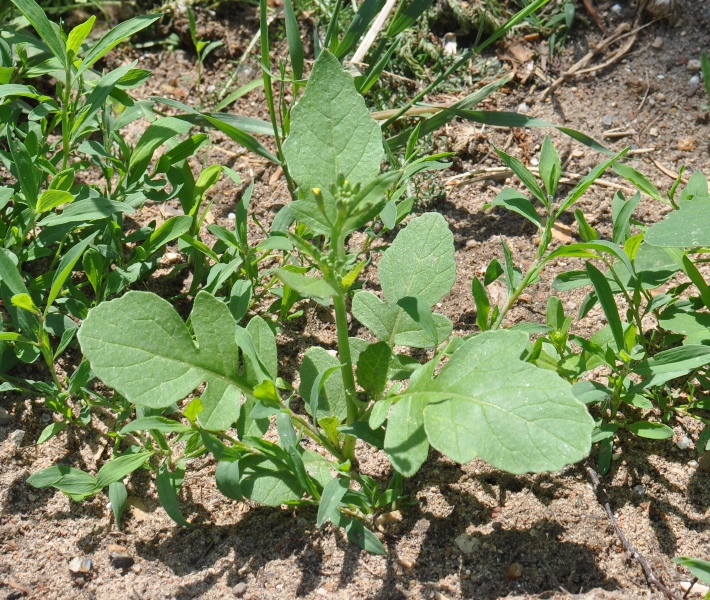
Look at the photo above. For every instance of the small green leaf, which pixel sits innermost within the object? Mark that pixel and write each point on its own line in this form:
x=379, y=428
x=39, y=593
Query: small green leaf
x=156, y=423
x=330, y=499
x=550, y=166
x=25, y=302
x=607, y=301
x=117, y=468
x=306, y=286
x=650, y=429
x=372, y=366
x=51, y=430
x=524, y=175
x=516, y=202
x=77, y=36
x=169, y=484
x=50, y=199
x=699, y=568
x=117, y=495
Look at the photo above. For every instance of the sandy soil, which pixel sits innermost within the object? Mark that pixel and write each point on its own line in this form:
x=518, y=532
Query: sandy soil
x=470, y=531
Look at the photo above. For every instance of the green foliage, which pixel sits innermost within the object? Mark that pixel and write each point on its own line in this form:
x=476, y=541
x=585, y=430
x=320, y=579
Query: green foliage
x=214, y=383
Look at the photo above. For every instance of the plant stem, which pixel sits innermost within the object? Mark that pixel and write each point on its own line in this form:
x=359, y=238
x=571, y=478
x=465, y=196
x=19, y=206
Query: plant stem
x=66, y=100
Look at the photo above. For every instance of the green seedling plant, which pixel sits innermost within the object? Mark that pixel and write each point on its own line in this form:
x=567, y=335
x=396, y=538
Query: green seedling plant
x=65, y=246
x=203, y=48
x=469, y=398
x=638, y=363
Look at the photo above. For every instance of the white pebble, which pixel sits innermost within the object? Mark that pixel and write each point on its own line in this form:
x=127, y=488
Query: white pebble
x=683, y=443
x=534, y=161
x=694, y=80
x=231, y=216
x=523, y=108
x=639, y=490
x=616, y=9
x=694, y=464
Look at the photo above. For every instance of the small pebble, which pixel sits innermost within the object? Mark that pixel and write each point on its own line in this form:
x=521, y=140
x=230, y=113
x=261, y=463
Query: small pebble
x=515, y=571
x=80, y=565
x=523, y=108
x=683, y=443
x=694, y=65
x=119, y=556
x=45, y=418
x=653, y=132
x=657, y=42
x=693, y=464
x=534, y=161
x=16, y=437
x=607, y=119
x=639, y=490
x=240, y=589
x=467, y=544
x=231, y=216
x=5, y=416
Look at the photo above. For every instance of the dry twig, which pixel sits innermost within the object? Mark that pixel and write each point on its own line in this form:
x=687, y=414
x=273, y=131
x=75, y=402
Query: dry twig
x=647, y=571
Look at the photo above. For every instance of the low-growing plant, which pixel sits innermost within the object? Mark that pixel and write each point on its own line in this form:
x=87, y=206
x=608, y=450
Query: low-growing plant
x=637, y=360
x=473, y=398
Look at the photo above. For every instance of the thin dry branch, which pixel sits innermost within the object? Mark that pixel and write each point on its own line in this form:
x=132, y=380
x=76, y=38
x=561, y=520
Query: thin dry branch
x=603, y=499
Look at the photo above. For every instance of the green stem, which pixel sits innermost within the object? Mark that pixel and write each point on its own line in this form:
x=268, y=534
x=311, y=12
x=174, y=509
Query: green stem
x=532, y=272
x=66, y=101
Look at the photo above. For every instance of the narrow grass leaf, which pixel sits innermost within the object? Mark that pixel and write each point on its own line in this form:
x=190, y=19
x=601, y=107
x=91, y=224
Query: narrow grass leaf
x=607, y=301
x=169, y=483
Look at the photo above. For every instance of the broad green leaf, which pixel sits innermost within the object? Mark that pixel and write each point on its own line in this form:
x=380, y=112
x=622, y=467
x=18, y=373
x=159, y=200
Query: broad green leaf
x=418, y=310
x=688, y=227
x=331, y=399
x=420, y=261
x=372, y=367
x=140, y=346
x=393, y=325
x=406, y=441
x=332, y=123
x=487, y=403
x=694, y=325
x=258, y=479
x=650, y=429
x=169, y=484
